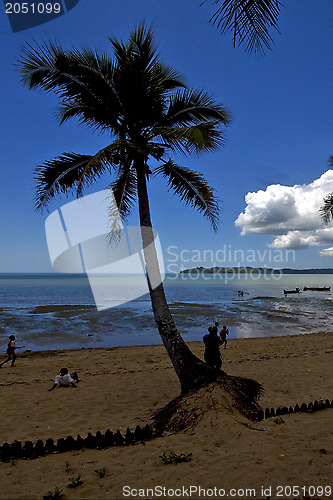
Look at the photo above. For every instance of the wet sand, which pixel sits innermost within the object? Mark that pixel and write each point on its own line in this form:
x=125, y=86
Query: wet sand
x=122, y=387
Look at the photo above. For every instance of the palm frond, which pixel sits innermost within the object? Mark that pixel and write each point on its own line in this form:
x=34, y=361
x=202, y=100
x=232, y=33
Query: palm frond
x=107, y=157
x=36, y=62
x=139, y=49
x=249, y=21
x=53, y=68
x=193, y=139
x=166, y=78
x=83, y=81
x=65, y=174
x=141, y=40
x=187, y=107
x=125, y=190
x=203, y=137
x=326, y=210
x=96, y=118
x=192, y=189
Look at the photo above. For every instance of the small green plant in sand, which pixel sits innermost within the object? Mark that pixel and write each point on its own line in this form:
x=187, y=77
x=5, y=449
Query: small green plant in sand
x=12, y=461
x=74, y=482
x=57, y=493
x=279, y=421
x=173, y=458
x=101, y=472
x=67, y=466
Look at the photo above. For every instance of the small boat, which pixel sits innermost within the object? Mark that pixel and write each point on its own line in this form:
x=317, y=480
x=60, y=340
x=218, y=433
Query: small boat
x=287, y=292
x=317, y=288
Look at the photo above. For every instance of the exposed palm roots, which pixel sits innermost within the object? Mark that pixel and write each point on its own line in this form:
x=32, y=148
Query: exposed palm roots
x=227, y=394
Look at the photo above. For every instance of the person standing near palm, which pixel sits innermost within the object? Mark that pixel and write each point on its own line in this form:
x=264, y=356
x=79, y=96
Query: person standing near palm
x=212, y=353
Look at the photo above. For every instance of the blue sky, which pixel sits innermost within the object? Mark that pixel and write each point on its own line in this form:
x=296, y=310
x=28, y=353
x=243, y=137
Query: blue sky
x=277, y=146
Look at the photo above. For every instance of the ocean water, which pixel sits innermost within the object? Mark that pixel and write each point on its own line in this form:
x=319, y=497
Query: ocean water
x=57, y=311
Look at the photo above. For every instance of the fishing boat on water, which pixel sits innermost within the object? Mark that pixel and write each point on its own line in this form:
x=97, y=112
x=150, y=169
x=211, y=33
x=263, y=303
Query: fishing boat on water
x=287, y=292
x=317, y=288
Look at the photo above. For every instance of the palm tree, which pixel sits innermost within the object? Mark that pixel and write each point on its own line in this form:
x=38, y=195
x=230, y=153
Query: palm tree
x=249, y=21
x=145, y=108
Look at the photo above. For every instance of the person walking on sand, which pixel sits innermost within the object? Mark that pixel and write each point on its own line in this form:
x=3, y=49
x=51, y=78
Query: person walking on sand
x=212, y=349
x=64, y=380
x=223, y=335
x=10, y=351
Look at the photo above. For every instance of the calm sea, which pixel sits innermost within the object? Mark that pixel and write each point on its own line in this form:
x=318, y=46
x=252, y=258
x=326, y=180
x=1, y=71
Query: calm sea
x=56, y=311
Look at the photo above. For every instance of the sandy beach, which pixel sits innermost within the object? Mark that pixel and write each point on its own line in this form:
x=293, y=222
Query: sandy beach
x=123, y=387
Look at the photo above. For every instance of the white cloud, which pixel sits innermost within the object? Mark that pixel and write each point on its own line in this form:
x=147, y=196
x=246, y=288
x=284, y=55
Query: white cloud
x=303, y=239
x=290, y=213
x=327, y=252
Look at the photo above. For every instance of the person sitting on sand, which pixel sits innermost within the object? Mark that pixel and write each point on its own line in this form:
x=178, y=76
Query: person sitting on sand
x=65, y=379
x=223, y=335
x=212, y=349
x=10, y=351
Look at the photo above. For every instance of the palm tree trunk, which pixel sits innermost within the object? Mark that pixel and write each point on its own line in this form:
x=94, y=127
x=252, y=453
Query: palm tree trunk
x=191, y=371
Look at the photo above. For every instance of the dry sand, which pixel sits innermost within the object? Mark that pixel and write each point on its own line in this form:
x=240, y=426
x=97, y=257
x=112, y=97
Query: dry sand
x=122, y=387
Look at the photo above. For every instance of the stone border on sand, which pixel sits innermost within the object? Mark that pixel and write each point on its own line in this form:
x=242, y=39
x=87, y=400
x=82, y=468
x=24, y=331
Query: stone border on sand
x=30, y=450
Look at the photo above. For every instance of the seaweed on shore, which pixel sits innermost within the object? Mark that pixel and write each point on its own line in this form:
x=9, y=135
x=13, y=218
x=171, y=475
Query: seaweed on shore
x=56, y=308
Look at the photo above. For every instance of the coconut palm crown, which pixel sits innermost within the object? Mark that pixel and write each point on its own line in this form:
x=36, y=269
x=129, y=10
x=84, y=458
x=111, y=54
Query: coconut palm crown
x=149, y=113
x=141, y=103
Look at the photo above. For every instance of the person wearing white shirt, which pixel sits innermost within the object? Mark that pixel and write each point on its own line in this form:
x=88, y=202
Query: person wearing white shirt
x=64, y=379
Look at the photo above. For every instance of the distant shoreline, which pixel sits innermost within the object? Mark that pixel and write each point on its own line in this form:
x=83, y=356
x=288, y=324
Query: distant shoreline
x=251, y=270
x=196, y=270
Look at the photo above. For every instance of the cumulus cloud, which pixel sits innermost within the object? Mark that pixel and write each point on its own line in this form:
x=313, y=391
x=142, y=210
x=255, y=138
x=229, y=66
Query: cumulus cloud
x=328, y=252
x=290, y=213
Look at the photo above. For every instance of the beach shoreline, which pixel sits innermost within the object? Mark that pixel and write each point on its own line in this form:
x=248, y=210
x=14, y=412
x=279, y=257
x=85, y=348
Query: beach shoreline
x=123, y=386
x=58, y=311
